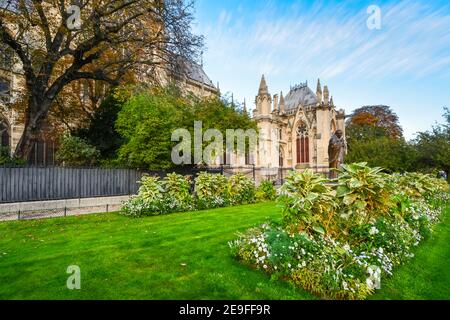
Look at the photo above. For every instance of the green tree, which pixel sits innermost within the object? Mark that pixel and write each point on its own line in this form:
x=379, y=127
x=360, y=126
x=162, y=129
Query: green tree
x=76, y=152
x=374, y=136
x=101, y=132
x=433, y=147
x=147, y=121
x=391, y=154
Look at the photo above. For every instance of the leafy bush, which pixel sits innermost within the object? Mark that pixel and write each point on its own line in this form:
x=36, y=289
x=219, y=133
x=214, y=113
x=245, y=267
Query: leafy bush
x=149, y=201
x=177, y=191
x=76, y=152
x=417, y=185
x=309, y=261
x=241, y=190
x=266, y=191
x=211, y=191
x=7, y=159
x=158, y=197
x=308, y=203
x=366, y=193
x=173, y=194
x=138, y=207
x=339, y=247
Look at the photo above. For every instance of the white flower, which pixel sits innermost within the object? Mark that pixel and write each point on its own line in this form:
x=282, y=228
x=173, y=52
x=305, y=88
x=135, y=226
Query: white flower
x=345, y=285
x=373, y=231
x=346, y=247
x=265, y=266
x=370, y=283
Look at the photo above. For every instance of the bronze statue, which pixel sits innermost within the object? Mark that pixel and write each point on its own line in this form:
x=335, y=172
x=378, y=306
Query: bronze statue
x=337, y=149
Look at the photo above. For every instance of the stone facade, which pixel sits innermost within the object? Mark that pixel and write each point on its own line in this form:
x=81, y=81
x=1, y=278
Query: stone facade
x=295, y=129
x=11, y=84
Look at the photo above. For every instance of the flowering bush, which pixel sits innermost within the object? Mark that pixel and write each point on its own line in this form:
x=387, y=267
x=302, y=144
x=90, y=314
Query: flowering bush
x=241, y=190
x=173, y=194
x=365, y=193
x=211, y=191
x=156, y=197
x=266, y=191
x=340, y=247
x=308, y=203
x=149, y=201
x=177, y=193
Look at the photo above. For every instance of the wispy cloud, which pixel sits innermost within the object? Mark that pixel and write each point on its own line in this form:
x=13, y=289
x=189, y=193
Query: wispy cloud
x=333, y=40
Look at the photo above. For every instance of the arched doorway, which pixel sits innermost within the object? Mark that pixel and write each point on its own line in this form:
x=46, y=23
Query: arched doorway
x=302, y=144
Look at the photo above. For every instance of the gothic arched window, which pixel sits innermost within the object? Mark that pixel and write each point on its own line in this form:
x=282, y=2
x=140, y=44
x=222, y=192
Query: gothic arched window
x=302, y=144
x=4, y=87
x=6, y=58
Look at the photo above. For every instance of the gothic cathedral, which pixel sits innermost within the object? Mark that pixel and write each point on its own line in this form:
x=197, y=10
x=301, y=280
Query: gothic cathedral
x=295, y=129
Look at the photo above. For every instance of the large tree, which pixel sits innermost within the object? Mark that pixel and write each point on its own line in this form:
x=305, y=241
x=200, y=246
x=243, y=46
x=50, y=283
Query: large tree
x=381, y=117
x=375, y=136
x=148, y=119
x=433, y=147
x=107, y=41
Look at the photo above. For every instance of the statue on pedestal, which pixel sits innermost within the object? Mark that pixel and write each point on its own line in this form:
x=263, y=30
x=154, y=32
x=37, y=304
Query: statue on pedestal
x=337, y=150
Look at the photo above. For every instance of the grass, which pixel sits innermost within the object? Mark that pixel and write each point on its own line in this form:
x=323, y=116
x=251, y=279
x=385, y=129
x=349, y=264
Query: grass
x=427, y=275
x=179, y=256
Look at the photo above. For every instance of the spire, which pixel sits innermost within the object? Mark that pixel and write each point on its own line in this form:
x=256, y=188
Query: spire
x=319, y=91
x=263, y=89
x=245, y=106
x=326, y=95
x=282, y=103
x=331, y=102
x=275, y=104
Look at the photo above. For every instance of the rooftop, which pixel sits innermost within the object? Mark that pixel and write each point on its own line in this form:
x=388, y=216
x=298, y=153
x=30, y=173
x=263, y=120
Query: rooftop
x=300, y=94
x=196, y=73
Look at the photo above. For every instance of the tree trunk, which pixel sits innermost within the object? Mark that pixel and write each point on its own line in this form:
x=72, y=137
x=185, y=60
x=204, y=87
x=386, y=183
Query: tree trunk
x=33, y=126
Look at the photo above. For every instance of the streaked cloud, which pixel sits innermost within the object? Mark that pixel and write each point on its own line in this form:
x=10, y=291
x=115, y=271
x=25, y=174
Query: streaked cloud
x=406, y=64
x=333, y=40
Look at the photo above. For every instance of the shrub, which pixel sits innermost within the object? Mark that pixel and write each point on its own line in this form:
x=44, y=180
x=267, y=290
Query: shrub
x=241, y=190
x=341, y=249
x=308, y=203
x=177, y=192
x=157, y=197
x=7, y=159
x=211, y=191
x=417, y=185
x=138, y=207
x=149, y=201
x=310, y=261
x=173, y=194
x=365, y=193
x=76, y=152
x=266, y=191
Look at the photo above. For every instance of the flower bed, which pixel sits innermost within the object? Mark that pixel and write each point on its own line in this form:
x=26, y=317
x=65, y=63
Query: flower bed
x=173, y=194
x=339, y=243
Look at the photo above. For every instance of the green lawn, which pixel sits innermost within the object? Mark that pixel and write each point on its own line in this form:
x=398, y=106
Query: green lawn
x=179, y=256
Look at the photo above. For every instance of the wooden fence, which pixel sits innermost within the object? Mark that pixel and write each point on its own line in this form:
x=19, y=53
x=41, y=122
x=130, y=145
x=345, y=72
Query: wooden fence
x=20, y=184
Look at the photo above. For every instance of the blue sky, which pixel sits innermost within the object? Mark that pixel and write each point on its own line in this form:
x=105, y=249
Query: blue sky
x=405, y=64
